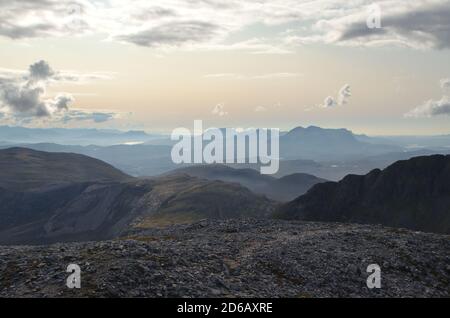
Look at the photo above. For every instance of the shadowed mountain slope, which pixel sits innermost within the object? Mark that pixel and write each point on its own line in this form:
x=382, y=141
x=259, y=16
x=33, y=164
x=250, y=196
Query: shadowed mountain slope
x=414, y=194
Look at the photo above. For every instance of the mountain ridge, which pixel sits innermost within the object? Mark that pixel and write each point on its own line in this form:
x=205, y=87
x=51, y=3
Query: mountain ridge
x=412, y=193
x=280, y=189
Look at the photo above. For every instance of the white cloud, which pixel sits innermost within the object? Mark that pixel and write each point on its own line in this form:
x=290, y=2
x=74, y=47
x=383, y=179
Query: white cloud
x=255, y=46
x=329, y=102
x=219, y=110
x=225, y=75
x=431, y=108
x=261, y=108
x=445, y=83
x=342, y=98
x=344, y=94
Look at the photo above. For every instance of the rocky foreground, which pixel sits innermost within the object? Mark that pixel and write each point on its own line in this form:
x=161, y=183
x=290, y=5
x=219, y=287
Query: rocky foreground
x=236, y=258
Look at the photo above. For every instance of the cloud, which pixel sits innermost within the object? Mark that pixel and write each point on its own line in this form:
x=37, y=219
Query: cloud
x=62, y=101
x=421, y=24
x=256, y=46
x=445, y=83
x=342, y=98
x=426, y=25
x=23, y=97
x=200, y=24
x=81, y=115
x=261, y=108
x=43, y=18
x=225, y=75
x=212, y=24
x=74, y=77
x=329, y=102
x=219, y=110
x=40, y=71
x=23, y=100
x=173, y=34
x=431, y=108
x=344, y=94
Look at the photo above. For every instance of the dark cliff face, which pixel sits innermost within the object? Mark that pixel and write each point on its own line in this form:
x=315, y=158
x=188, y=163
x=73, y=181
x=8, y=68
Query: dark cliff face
x=413, y=194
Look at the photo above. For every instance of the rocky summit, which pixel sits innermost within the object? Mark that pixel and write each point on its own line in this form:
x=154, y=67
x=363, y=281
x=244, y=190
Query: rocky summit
x=236, y=258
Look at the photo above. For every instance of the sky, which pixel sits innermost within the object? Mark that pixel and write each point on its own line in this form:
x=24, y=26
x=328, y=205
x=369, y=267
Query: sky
x=374, y=67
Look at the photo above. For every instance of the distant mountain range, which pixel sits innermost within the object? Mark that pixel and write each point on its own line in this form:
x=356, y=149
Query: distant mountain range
x=328, y=154
x=282, y=189
x=309, y=141
x=71, y=136
x=413, y=194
